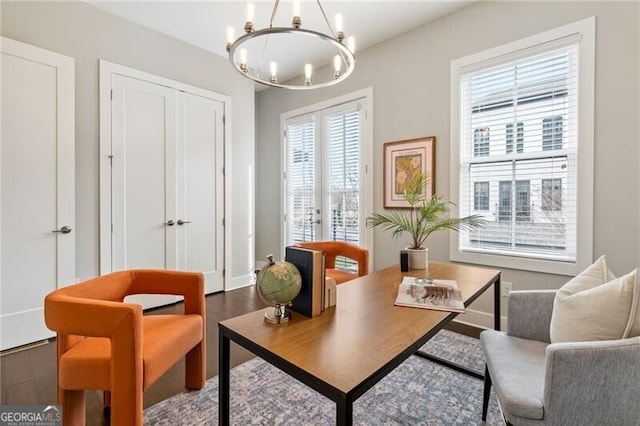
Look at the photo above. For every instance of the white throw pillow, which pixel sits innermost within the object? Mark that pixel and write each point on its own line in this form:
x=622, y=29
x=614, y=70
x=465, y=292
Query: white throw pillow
x=634, y=320
x=596, y=306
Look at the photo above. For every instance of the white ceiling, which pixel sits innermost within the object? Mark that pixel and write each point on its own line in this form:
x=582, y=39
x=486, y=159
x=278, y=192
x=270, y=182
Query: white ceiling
x=203, y=23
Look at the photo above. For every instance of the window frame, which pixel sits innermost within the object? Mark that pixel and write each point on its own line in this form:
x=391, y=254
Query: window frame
x=584, y=31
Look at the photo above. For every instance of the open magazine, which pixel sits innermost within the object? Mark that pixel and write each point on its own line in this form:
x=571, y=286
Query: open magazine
x=439, y=295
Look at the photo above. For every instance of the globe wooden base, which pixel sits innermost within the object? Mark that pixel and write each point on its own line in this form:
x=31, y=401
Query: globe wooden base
x=279, y=315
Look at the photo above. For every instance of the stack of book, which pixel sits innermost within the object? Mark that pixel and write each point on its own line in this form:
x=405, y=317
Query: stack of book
x=316, y=293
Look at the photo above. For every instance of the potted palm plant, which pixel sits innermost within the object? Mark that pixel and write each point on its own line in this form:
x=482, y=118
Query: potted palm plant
x=424, y=217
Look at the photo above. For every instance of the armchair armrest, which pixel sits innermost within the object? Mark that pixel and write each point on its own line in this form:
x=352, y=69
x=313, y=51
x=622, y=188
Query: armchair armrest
x=73, y=317
x=89, y=317
x=592, y=382
x=529, y=314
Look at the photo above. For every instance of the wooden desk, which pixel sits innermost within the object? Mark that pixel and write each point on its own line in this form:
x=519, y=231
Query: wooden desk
x=353, y=345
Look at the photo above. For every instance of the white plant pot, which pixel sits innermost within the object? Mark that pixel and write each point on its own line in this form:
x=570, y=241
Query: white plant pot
x=418, y=259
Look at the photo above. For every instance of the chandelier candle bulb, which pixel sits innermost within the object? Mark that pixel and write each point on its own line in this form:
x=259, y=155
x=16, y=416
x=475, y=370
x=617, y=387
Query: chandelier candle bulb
x=273, y=67
x=296, y=8
x=243, y=60
x=339, y=28
x=251, y=11
x=231, y=35
x=296, y=21
x=337, y=66
x=308, y=69
x=351, y=44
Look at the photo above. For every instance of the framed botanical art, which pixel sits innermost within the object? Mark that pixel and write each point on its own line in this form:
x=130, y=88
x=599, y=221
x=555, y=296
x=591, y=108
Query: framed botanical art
x=403, y=161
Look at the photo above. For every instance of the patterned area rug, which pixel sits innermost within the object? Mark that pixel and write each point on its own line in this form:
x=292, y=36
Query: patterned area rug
x=418, y=392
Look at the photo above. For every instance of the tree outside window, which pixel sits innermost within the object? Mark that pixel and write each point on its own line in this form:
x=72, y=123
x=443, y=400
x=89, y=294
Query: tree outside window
x=551, y=195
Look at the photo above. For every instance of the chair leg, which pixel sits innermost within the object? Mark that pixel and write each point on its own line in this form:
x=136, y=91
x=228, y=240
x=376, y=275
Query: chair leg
x=73, y=407
x=486, y=393
x=106, y=410
x=195, y=367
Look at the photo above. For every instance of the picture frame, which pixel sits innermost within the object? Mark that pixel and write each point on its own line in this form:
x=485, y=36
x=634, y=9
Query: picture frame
x=402, y=161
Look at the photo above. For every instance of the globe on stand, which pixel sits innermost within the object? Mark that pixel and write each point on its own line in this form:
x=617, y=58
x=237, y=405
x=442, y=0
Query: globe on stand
x=278, y=283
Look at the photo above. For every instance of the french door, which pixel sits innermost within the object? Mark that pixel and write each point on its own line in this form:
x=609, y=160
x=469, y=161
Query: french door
x=325, y=183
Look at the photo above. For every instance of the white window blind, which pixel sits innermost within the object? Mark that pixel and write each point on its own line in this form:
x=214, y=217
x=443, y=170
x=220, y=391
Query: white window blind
x=342, y=136
x=301, y=179
x=519, y=134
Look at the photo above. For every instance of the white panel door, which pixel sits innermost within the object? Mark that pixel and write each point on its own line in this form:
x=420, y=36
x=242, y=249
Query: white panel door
x=37, y=187
x=143, y=179
x=200, y=234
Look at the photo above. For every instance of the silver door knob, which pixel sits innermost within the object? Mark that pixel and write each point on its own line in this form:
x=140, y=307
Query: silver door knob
x=169, y=223
x=64, y=230
x=182, y=222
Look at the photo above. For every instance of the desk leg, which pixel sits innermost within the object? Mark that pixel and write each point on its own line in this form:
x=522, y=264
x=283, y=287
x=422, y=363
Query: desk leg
x=496, y=304
x=224, y=374
x=344, y=412
x=497, y=294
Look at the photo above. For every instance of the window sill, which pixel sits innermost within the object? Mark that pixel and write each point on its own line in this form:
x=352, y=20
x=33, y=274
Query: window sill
x=546, y=266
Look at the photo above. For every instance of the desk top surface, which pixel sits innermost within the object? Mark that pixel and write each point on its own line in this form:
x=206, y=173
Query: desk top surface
x=353, y=340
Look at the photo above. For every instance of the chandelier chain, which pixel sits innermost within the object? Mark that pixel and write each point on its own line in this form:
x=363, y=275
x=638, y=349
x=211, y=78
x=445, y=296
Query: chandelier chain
x=266, y=39
x=273, y=12
x=325, y=17
x=342, y=55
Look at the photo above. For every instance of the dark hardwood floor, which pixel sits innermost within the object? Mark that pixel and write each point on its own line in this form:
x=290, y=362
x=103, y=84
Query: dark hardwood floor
x=29, y=376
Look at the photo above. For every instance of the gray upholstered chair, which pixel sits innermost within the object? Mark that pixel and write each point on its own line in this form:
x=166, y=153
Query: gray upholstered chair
x=538, y=382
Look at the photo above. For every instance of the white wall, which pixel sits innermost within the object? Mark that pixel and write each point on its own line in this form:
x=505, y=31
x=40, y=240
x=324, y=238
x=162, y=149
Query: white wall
x=410, y=80
x=87, y=34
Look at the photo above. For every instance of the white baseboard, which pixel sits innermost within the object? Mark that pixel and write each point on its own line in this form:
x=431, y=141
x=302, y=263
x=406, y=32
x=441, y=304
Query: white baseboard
x=240, y=282
x=480, y=319
x=260, y=264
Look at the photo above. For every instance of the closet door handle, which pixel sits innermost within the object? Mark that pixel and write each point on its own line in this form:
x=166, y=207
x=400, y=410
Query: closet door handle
x=169, y=223
x=182, y=222
x=64, y=230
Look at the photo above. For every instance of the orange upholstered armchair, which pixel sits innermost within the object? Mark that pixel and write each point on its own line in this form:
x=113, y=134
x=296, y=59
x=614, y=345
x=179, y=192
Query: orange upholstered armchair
x=332, y=249
x=106, y=344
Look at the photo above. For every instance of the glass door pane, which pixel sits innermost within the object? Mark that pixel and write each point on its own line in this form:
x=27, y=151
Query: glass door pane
x=301, y=216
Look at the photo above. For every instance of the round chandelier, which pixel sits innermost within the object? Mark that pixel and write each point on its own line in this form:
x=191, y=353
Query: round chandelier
x=259, y=53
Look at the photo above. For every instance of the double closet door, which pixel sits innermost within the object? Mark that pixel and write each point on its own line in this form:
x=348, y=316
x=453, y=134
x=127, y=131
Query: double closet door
x=162, y=178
